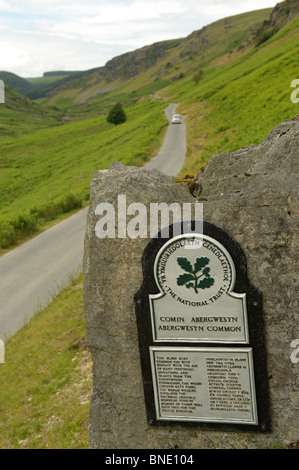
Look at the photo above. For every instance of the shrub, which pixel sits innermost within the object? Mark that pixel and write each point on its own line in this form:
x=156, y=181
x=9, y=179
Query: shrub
x=198, y=76
x=117, y=115
x=26, y=224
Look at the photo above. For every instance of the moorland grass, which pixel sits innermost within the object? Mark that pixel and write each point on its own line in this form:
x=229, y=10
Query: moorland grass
x=46, y=380
x=48, y=172
x=240, y=103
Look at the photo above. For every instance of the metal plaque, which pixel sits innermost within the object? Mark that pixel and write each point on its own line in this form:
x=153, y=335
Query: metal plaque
x=201, y=333
x=212, y=385
x=196, y=303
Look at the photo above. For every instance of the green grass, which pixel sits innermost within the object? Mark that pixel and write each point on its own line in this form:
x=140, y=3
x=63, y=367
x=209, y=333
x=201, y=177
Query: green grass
x=46, y=173
x=46, y=169
x=19, y=84
x=34, y=88
x=19, y=115
x=46, y=379
x=240, y=103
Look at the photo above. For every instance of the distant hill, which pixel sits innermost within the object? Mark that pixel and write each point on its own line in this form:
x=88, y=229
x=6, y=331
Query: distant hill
x=282, y=14
x=19, y=115
x=231, y=80
x=18, y=84
x=59, y=73
x=159, y=63
x=35, y=88
x=167, y=61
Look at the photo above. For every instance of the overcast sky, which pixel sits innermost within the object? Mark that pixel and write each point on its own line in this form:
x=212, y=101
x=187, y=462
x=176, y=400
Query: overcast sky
x=44, y=35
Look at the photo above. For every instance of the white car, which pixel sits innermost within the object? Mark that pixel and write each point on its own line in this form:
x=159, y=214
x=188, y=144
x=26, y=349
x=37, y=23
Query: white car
x=176, y=119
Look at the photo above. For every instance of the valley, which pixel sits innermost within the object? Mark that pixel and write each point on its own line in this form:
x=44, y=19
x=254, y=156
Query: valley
x=232, y=82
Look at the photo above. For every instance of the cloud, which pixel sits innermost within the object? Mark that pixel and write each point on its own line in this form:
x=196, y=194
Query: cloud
x=42, y=35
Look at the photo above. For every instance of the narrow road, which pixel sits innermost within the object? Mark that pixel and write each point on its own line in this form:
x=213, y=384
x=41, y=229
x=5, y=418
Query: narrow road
x=171, y=156
x=33, y=273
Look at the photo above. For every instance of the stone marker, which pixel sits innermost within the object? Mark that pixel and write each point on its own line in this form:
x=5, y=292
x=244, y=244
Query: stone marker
x=253, y=195
x=112, y=275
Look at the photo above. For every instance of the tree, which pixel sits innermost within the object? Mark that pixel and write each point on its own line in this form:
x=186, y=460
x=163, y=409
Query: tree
x=198, y=76
x=117, y=114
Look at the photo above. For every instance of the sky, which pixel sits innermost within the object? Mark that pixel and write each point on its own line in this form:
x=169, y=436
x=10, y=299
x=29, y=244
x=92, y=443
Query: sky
x=37, y=36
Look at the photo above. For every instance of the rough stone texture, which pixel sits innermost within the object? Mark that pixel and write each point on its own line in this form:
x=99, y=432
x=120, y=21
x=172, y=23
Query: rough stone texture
x=113, y=273
x=253, y=194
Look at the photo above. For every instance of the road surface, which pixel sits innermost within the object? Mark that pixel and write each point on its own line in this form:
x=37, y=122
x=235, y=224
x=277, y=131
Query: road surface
x=171, y=156
x=33, y=273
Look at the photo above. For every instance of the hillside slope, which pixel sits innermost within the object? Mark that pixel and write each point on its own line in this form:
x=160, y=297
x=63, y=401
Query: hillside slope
x=164, y=62
x=239, y=103
x=35, y=88
x=47, y=173
x=18, y=84
x=243, y=92
x=20, y=115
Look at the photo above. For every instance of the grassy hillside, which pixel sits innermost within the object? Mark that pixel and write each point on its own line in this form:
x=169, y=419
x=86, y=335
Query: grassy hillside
x=19, y=115
x=49, y=359
x=48, y=172
x=18, y=84
x=247, y=61
x=48, y=155
x=164, y=62
x=240, y=103
x=34, y=88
